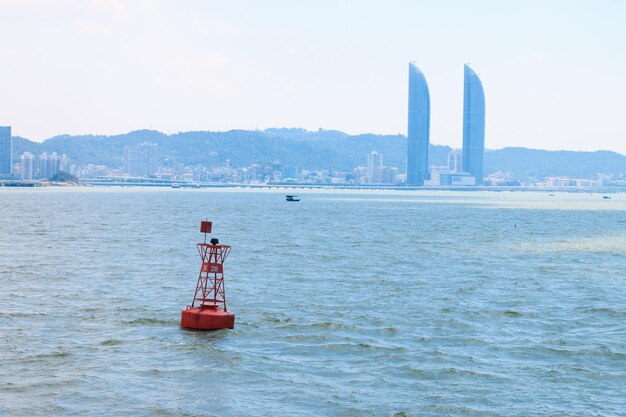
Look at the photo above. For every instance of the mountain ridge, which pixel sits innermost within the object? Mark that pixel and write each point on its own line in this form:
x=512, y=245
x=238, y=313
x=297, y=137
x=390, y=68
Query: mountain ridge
x=322, y=149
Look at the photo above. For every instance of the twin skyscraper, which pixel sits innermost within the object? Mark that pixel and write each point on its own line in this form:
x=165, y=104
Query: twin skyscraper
x=419, y=126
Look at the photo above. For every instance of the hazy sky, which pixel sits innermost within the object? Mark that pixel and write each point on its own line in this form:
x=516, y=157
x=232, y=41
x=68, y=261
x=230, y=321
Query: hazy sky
x=554, y=72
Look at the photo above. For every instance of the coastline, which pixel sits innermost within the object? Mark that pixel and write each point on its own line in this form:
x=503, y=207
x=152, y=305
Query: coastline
x=154, y=183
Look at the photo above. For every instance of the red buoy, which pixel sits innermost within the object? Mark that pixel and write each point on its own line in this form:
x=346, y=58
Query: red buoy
x=208, y=307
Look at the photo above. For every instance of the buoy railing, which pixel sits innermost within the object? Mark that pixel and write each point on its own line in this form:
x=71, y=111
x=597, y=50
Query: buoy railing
x=210, y=291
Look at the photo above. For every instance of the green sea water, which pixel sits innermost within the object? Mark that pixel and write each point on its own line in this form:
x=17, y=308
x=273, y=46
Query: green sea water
x=347, y=303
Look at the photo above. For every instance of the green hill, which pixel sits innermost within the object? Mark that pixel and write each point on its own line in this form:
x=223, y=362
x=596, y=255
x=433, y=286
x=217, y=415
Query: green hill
x=323, y=149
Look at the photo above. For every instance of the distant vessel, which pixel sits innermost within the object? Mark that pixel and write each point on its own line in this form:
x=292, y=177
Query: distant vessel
x=175, y=185
x=606, y=197
x=292, y=198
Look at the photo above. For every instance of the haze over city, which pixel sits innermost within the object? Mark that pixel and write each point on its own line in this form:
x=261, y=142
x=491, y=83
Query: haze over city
x=553, y=72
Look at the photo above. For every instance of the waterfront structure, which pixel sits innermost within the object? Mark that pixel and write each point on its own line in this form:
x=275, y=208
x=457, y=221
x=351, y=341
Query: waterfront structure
x=440, y=176
x=6, y=150
x=473, y=125
x=27, y=166
x=140, y=160
x=374, y=167
x=451, y=174
x=571, y=182
x=418, y=137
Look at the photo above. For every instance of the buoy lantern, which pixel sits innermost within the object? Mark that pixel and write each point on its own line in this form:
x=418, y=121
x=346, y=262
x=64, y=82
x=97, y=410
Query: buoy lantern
x=208, y=307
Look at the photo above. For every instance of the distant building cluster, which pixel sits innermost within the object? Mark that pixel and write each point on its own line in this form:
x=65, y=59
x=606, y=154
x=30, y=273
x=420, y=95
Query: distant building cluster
x=44, y=166
x=575, y=182
x=375, y=173
x=141, y=162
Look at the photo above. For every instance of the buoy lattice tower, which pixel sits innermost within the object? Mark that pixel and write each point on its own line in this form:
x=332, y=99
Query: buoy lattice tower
x=208, y=308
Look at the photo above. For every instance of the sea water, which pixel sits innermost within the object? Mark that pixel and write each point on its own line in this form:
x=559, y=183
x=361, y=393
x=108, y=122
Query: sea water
x=347, y=303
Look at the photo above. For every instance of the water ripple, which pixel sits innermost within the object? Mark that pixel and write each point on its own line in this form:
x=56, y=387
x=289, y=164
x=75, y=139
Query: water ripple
x=348, y=304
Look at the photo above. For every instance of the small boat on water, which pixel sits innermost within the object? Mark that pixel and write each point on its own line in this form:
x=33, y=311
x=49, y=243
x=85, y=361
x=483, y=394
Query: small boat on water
x=292, y=198
x=175, y=185
x=606, y=197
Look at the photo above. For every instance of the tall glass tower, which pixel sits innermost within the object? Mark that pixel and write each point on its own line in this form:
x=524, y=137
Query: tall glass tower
x=6, y=150
x=419, y=128
x=473, y=125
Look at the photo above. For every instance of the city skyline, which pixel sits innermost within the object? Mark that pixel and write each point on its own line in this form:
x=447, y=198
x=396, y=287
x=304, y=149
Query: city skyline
x=239, y=65
x=180, y=160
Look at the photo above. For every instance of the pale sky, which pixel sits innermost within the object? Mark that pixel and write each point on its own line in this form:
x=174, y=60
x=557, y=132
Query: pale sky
x=554, y=72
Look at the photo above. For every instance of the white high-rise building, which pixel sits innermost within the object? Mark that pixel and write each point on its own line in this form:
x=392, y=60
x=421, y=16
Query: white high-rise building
x=48, y=165
x=42, y=165
x=64, y=163
x=374, y=167
x=27, y=166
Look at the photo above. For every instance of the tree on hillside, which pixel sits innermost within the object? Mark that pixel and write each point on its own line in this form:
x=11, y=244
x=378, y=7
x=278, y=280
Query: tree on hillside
x=63, y=177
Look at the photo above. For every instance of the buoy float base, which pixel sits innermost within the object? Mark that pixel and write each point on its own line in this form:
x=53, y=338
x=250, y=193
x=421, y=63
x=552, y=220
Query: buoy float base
x=207, y=318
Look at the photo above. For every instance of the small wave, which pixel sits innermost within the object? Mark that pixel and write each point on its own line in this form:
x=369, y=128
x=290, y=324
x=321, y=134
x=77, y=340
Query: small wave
x=511, y=313
x=604, y=310
x=56, y=355
x=151, y=321
x=111, y=342
x=605, y=351
x=362, y=345
x=46, y=356
x=389, y=329
x=471, y=374
x=177, y=412
x=331, y=325
x=455, y=410
x=274, y=318
x=306, y=337
x=590, y=244
x=602, y=351
x=154, y=372
x=21, y=315
x=414, y=372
